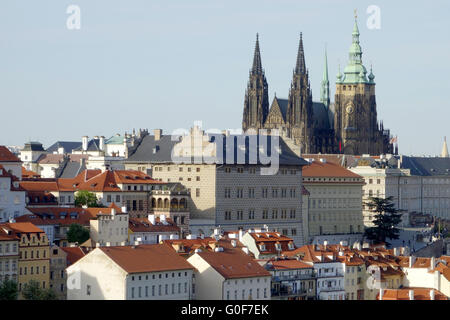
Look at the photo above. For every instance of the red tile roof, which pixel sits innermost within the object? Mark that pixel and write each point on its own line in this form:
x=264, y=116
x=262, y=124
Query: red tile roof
x=270, y=239
x=7, y=156
x=288, y=264
x=23, y=227
x=403, y=294
x=73, y=254
x=29, y=174
x=144, y=225
x=146, y=258
x=233, y=264
x=328, y=170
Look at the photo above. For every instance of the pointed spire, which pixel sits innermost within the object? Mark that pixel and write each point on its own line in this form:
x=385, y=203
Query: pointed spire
x=325, y=89
x=444, y=153
x=325, y=70
x=257, y=65
x=300, y=67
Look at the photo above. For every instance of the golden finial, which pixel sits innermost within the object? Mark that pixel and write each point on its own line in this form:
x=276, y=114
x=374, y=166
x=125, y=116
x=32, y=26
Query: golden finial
x=356, y=15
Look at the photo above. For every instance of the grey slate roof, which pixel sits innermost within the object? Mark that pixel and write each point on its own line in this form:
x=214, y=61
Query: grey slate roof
x=152, y=151
x=422, y=166
x=283, y=103
x=68, y=146
x=93, y=145
x=33, y=146
x=71, y=169
x=321, y=116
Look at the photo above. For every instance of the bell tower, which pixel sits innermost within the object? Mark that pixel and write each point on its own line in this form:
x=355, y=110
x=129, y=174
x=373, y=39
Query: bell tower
x=355, y=119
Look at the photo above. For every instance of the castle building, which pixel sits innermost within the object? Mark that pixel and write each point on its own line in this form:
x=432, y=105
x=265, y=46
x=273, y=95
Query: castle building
x=349, y=125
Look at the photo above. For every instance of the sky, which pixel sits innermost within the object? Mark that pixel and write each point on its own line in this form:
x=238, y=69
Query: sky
x=165, y=64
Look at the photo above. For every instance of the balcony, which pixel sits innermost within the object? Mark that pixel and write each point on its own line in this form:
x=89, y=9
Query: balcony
x=288, y=292
x=169, y=210
x=293, y=277
x=330, y=274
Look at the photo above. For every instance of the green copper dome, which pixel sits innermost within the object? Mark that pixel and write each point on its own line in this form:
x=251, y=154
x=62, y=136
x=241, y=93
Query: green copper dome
x=355, y=72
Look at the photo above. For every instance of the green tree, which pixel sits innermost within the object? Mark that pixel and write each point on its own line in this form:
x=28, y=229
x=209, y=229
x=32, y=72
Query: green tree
x=86, y=198
x=8, y=290
x=32, y=291
x=77, y=233
x=386, y=220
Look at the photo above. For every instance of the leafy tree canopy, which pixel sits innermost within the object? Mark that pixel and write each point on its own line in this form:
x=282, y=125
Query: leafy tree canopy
x=8, y=290
x=77, y=233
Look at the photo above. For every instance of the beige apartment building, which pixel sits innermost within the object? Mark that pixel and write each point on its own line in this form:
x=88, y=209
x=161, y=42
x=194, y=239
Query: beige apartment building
x=334, y=201
x=224, y=190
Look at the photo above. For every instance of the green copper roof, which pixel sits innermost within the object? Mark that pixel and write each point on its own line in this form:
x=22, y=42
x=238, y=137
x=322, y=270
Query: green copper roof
x=117, y=139
x=354, y=72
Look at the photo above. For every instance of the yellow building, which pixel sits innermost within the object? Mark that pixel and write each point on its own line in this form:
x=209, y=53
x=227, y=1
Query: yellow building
x=34, y=253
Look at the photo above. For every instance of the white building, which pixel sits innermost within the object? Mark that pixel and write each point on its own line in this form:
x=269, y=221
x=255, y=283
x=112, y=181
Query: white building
x=12, y=196
x=229, y=274
x=145, y=272
x=152, y=230
x=110, y=228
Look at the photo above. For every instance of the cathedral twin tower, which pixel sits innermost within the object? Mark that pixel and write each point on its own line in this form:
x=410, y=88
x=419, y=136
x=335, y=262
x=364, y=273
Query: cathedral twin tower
x=349, y=125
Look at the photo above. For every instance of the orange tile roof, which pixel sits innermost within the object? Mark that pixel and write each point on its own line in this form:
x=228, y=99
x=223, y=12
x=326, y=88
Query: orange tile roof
x=6, y=236
x=23, y=227
x=403, y=294
x=328, y=169
x=287, y=264
x=207, y=243
x=29, y=174
x=146, y=258
x=144, y=225
x=73, y=254
x=269, y=239
x=7, y=156
x=233, y=264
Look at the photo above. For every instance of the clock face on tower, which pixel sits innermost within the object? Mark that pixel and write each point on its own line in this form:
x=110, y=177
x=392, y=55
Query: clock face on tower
x=349, y=108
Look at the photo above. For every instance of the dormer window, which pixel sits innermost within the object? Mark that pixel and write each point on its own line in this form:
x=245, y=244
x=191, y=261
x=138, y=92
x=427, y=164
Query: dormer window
x=262, y=247
x=277, y=246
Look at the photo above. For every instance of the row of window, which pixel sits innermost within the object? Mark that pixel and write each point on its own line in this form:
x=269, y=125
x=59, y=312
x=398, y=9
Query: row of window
x=24, y=254
x=140, y=292
x=33, y=270
x=334, y=203
x=180, y=169
x=244, y=295
x=8, y=265
x=239, y=214
x=8, y=248
x=264, y=192
x=160, y=276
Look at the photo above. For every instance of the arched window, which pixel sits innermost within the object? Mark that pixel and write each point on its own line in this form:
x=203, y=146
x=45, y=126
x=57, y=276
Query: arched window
x=166, y=203
x=174, y=204
x=160, y=203
x=153, y=202
x=183, y=203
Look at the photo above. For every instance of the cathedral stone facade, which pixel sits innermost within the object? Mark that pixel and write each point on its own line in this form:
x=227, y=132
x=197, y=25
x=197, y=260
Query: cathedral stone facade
x=349, y=125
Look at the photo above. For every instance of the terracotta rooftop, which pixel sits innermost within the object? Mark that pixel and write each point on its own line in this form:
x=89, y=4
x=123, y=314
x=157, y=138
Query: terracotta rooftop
x=23, y=227
x=403, y=294
x=328, y=170
x=73, y=254
x=232, y=264
x=144, y=225
x=7, y=156
x=146, y=258
x=288, y=264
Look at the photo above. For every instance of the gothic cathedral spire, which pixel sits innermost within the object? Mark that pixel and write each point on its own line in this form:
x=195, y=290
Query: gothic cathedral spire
x=256, y=102
x=325, y=88
x=299, y=113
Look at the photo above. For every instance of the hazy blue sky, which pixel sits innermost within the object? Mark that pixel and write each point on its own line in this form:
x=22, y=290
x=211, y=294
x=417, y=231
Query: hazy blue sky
x=165, y=64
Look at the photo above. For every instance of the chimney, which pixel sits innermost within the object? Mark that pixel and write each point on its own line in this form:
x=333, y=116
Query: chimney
x=325, y=243
x=124, y=209
x=233, y=243
x=411, y=294
x=60, y=150
x=108, y=244
x=191, y=236
x=396, y=252
x=241, y=234
x=381, y=293
x=151, y=218
x=102, y=143
x=162, y=218
x=432, y=263
x=432, y=294
x=158, y=134
x=113, y=212
x=84, y=143
x=412, y=259
x=245, y=249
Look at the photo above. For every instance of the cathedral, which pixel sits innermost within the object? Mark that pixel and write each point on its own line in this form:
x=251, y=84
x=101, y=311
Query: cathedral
x=349, y=125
